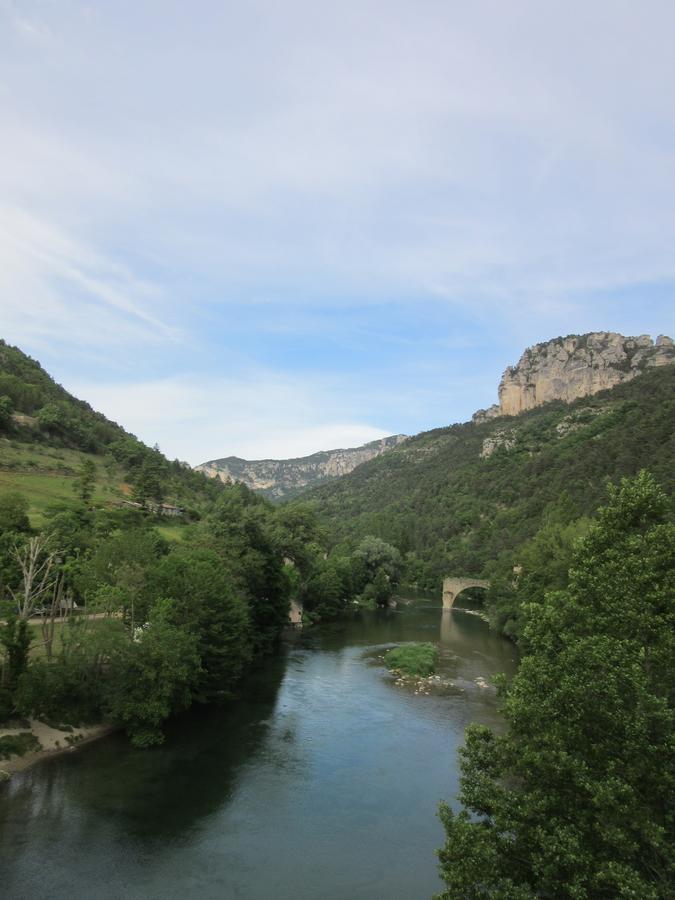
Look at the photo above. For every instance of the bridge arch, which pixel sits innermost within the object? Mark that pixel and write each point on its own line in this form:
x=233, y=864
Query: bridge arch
x=453, y=587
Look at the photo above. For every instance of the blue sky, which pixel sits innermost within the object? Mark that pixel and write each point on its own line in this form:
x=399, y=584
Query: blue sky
x=270, y=228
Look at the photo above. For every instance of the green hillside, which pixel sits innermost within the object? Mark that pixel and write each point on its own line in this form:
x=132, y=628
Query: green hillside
x=47, y=435
x=451, y=510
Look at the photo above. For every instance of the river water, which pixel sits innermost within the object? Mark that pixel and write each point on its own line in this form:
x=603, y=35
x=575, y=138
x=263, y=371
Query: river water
x=321, y=782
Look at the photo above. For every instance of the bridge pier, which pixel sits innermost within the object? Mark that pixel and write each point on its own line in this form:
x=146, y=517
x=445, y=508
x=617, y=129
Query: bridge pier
x=295, y=614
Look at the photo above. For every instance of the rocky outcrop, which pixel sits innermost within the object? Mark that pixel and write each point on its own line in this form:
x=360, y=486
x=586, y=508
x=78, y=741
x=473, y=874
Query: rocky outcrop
x=575, y=366
x=278, y=478
x=484, y=415
x=504, y=440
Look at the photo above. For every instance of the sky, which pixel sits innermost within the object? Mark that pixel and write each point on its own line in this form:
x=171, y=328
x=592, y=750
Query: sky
x=265, y=229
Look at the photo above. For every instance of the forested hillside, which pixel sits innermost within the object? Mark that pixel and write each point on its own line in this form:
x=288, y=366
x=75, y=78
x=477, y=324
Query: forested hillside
x=481, y=499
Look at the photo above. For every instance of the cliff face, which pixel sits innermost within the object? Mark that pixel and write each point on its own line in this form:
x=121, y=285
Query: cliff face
x=277, y=478
x=575, y=366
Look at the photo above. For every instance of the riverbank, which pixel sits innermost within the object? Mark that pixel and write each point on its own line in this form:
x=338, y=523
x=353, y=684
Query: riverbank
x=51, y=740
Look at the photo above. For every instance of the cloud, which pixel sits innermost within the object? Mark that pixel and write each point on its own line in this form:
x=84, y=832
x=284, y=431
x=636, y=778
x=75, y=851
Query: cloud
x=282, y=180
x=263, y=416
x=381, y=152
x=55, y=288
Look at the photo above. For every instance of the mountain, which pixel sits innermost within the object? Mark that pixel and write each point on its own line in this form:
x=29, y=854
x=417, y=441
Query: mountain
x=466, y=500
x=277, y=478
x=567, y=368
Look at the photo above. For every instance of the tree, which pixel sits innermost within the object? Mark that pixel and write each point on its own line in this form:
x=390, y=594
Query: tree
x=241, y=528
x=573, y=800
x=325, y=591
x=36, y=563
x=148, y=482
x=54, y=417
x=204, y=602
x=6, y=410
x=85, y=482
x=379, y=565
x=14, y=513
x=377, y=554
x=152, y=677
x=15, y=638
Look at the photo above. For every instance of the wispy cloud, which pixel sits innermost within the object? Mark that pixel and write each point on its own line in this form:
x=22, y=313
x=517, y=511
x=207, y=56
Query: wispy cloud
x=55, y=288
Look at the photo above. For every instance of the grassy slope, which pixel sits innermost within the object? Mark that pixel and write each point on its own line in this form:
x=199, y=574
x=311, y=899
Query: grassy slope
x=434, y=497
x=42, y=463
x=45, y=476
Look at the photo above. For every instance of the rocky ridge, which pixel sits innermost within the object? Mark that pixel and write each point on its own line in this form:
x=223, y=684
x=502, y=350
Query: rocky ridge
x=567, y=368
x=276, y=478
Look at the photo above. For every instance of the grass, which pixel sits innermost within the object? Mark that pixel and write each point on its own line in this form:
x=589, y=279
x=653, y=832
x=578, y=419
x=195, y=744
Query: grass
x=45, y=476
x=86, y=625
x=413, y=659
x=18, y=744
x=175, y=533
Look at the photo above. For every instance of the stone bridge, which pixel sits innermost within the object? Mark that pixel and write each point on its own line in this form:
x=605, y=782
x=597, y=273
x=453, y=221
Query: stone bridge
x=453, y=587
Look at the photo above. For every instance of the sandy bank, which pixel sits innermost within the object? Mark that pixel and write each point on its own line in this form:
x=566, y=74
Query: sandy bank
x=52, y=742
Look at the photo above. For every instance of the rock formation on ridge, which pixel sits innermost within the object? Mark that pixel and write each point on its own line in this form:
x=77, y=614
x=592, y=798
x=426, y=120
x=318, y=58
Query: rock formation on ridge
x=575, y=366
x=278, y=478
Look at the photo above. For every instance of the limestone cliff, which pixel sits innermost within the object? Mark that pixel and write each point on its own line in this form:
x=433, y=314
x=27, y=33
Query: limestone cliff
x=575, y=366
x=278, y=478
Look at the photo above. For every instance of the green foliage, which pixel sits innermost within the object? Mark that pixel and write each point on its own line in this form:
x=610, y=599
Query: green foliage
x=204, y=603
x=152, y=677
x=378, y=556
x=13, y=513
x=15, y=638
x=86, y=480
x=18, y=744
x=543, y=565
x=328, y=588
x=413, y=659
x=451, y=512
x=176, y=621
x=148, y=482
x=67, y=689
x=6, y=410
x=243, y=529
x=186, y=619
x=573, y=800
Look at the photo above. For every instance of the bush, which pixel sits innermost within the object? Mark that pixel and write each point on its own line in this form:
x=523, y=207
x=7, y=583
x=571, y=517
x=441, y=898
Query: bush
x=413, y=659
x=6, y=704
x=18, y=744
x=66, y=690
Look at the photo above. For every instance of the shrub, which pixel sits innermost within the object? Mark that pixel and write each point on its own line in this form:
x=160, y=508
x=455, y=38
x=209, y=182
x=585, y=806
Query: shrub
x=18, y=744
x=66, y=690
x=413, y=659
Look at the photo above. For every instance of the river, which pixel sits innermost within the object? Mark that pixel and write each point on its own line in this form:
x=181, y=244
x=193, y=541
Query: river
x=321, y=782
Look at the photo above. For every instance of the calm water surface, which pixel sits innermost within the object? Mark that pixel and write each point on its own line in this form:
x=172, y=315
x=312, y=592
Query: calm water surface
x=320, y=783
